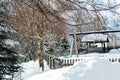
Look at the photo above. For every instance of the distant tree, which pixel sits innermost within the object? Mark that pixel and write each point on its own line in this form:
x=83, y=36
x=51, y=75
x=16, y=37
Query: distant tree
x=32, y=22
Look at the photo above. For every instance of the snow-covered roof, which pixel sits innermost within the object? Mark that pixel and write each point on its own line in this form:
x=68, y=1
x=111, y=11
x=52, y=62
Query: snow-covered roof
x=94, y=37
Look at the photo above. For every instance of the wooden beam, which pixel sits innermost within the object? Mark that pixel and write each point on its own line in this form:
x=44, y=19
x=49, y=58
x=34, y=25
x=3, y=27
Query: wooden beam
x=94, y=32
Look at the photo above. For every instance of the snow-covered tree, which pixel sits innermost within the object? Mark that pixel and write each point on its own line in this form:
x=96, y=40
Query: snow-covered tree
x=8, y=56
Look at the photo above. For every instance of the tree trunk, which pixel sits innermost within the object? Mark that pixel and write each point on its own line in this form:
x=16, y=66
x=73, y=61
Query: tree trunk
x=40, y=54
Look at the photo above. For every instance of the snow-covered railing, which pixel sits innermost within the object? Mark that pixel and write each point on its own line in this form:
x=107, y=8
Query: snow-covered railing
x=114, y=60
x=67, y=61
x=55, y=62
x=48, y=58
x=71, y=61
x=59, y=62
x=52, y=61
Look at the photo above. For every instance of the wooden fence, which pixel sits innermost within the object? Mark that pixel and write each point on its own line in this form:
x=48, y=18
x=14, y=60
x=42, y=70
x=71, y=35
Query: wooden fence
x=56, y=63
x=52, y=61
x=114, y=60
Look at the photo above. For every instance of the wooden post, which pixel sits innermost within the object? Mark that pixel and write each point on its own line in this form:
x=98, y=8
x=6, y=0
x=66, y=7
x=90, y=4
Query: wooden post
x=50, y=62
x=53, y=63
x=104, y=48
x=76, y=49
x=61, y=63
x=87, y=47
x=71, y=47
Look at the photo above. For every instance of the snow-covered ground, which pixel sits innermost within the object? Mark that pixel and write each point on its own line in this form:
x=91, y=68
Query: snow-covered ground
x=31, y=68
x=93, y=68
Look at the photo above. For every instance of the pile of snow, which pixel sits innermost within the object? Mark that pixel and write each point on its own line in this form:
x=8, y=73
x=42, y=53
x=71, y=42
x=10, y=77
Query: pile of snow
x=115, y=51
x=92, y=69
x=31, y=68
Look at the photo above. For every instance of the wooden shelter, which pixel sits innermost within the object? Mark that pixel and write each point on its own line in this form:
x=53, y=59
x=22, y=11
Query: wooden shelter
x=87, y=42
x=90, y=41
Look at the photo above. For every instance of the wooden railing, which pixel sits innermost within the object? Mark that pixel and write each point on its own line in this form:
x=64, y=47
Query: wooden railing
x=56, y=63
x=53, y=61
x=114, y=60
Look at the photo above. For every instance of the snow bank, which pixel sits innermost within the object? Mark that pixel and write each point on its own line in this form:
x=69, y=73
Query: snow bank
x=92, y=69
x=95, y=69
x=31, y=68
x=115, y=51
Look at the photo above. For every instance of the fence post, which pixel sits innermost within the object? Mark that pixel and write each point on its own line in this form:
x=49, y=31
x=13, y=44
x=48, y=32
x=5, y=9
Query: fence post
x=53, y=63
x=50, y=62
x=61, y=63
x=118, y=59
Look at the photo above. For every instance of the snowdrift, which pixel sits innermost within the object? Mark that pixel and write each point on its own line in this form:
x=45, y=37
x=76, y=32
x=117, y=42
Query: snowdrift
x=31, y=68
x=91, y=69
